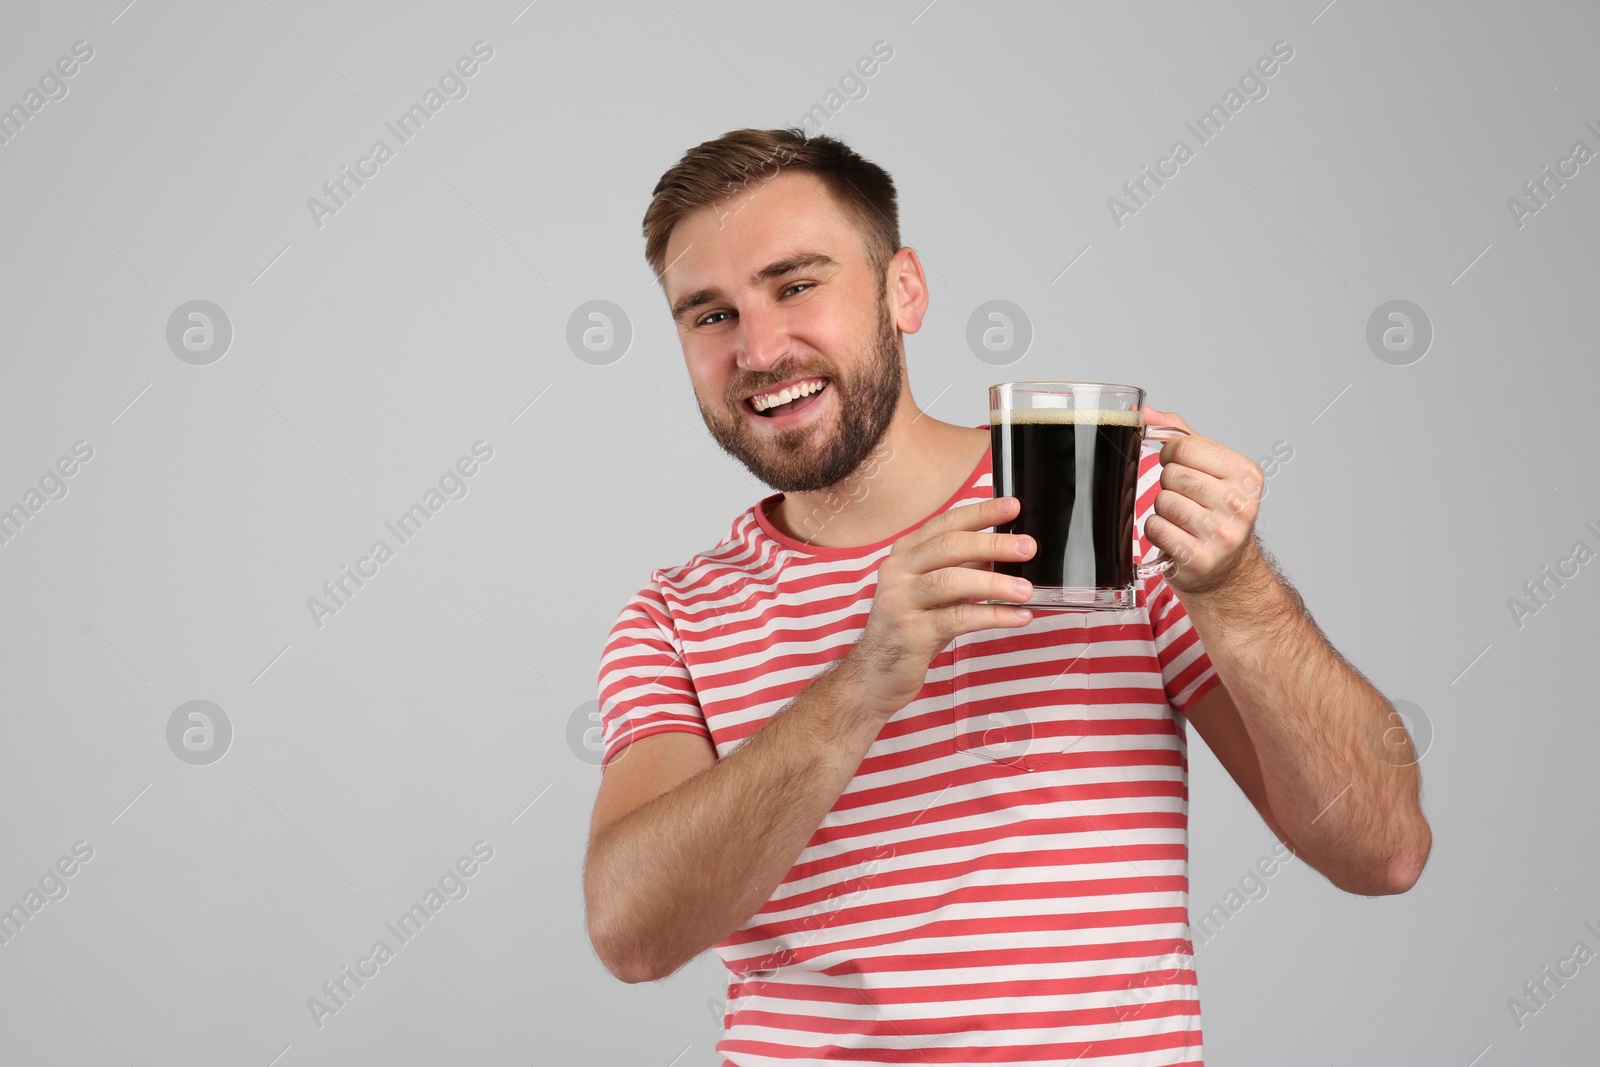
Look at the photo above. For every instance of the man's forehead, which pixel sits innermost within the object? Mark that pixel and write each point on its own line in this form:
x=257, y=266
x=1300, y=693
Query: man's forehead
x=761, y=223
x=699, y=266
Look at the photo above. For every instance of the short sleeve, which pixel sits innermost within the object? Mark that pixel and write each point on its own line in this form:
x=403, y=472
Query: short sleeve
x=1186, y=670
x=644, y=686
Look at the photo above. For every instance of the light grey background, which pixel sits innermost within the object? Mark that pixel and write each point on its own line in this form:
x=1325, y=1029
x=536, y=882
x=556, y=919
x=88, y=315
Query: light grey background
x=435, y=709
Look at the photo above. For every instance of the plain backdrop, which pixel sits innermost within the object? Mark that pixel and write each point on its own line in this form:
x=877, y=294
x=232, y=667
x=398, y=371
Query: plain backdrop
x=444, y=705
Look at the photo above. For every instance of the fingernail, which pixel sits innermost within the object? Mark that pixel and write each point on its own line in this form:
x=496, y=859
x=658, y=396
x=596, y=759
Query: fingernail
x=1022, y=586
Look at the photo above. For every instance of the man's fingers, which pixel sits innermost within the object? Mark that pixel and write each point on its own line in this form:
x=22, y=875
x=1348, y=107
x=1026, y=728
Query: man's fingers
x=965, y=618
x=1201, y=453
x=1157, y=417
x=1199, y=502
x=953, y=584
x=954, y=548
x=968, y=517
x=1183, y=512
x=1204, y=489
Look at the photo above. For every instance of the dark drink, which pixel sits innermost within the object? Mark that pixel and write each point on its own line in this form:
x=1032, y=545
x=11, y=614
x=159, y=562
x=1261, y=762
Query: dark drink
x=1075, y=472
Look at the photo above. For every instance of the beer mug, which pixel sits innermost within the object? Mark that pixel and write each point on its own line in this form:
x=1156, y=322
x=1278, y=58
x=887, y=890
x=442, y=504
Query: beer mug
x=1069, y=452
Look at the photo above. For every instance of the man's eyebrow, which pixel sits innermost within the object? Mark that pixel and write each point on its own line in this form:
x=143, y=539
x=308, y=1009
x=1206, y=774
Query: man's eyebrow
x=798, y=262
x=778, y=269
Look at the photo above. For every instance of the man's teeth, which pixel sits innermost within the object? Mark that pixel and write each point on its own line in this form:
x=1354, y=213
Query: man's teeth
x=783, y=396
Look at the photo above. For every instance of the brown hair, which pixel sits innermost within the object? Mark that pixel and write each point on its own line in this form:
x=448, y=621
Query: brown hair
x=716, y=170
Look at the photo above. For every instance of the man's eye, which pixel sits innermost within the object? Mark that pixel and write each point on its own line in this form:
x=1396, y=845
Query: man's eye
x=712, y=319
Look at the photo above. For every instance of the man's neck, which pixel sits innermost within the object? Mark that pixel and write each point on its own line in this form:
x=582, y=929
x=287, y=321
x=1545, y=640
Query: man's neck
x=919, y=464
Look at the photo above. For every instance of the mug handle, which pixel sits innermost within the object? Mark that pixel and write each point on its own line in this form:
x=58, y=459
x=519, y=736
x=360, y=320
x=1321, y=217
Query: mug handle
x=1162, y=562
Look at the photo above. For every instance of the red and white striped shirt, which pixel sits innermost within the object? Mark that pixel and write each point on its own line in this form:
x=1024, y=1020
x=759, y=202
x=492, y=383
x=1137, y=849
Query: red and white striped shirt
x=1005, y=878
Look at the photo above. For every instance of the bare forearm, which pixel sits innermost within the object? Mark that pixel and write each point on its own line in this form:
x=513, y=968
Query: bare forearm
x=682, y=872
x=1319, y=729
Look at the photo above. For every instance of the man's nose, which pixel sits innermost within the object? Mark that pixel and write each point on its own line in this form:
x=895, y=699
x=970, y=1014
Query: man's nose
x=763, y=338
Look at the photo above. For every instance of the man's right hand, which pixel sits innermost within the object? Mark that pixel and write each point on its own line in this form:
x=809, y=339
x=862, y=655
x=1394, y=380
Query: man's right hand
x=926, y=585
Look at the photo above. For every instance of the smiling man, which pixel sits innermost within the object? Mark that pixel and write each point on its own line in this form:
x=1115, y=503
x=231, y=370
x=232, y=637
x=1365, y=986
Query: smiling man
x=795, y=773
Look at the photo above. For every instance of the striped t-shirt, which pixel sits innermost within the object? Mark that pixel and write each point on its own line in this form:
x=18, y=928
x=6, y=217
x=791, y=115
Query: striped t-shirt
x=1005, y=878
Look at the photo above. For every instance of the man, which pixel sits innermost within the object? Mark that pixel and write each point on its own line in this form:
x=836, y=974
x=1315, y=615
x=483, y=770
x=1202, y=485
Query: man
x=794, y=770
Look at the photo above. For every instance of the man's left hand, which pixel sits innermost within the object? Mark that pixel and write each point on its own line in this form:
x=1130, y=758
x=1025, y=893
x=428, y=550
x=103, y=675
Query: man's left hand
x=1205, y=513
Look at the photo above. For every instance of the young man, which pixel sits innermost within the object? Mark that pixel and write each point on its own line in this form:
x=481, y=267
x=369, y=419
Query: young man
x=795, y=772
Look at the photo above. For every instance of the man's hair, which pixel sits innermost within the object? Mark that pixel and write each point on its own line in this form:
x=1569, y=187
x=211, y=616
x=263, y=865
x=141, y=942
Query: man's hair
x=729, y=165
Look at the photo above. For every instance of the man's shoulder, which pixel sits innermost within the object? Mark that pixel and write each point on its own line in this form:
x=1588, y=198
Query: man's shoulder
x=741, y=548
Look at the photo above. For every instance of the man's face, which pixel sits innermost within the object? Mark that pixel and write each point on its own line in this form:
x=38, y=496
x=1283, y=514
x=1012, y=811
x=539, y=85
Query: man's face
x=771, y=287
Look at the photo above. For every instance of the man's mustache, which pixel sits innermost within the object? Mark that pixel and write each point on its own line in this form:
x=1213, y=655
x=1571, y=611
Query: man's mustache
x=749, y=389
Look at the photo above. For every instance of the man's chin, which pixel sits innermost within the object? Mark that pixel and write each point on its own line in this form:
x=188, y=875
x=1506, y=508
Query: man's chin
x=794, y=477
x=802, y=459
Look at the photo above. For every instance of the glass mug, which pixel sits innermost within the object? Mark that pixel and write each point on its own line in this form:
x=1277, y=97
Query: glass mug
x=1069, y=452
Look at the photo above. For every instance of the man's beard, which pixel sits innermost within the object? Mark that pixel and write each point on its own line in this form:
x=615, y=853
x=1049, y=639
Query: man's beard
x=866, y=406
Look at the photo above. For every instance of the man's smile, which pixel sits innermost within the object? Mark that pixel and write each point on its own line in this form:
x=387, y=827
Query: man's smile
x=795, y=387
x=788, y=406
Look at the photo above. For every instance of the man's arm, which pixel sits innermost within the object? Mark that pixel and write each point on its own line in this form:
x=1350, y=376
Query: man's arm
x=1310, y=741
x=1341, y=794
x=1215, y=717
x=685, y=869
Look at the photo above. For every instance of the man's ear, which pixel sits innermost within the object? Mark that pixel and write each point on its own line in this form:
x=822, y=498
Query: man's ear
x=908, y=290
